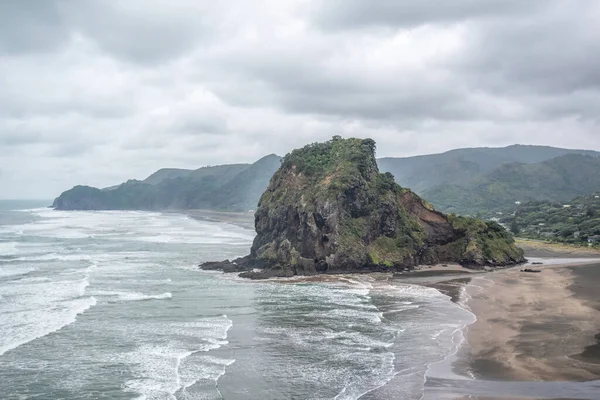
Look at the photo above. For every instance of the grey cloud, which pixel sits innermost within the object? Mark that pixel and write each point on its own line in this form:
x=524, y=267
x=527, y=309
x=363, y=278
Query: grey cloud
x=73, y=148
x=137, y=32
x=97, y=92
x=24, y=107
x=30, y=26
x=345, y=14
x=524, y=57
x=557, y=53
x=195, y=125
x=17, y=138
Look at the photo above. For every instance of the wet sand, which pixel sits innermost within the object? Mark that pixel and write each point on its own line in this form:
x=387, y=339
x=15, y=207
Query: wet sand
x=535, y=327
x=537, y=335
x=243, y=219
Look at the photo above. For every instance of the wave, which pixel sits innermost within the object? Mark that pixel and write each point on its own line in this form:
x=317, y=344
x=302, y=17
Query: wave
x=8, y=249
x=20, y=328
x=54, y=257
x=12, y=273
x=178, y=366
x=134, y=296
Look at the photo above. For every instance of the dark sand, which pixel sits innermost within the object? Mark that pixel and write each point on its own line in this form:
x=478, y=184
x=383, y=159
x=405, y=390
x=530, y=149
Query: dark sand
x=452, y=288
x=536, y=335
x=536, y=327
x=586, y=287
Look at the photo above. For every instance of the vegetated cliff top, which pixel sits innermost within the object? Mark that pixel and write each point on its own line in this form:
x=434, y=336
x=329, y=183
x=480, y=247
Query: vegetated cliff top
x=329, y=168
x=328, y=209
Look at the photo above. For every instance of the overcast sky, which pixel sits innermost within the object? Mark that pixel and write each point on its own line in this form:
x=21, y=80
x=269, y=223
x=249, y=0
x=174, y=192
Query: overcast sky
x=97, y=91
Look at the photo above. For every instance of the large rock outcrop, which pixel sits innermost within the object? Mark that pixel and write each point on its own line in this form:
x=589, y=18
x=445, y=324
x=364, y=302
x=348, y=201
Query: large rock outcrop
x=329, y=210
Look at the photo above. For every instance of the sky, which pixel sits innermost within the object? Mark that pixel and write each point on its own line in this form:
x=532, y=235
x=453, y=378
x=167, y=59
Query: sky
x=96, y=92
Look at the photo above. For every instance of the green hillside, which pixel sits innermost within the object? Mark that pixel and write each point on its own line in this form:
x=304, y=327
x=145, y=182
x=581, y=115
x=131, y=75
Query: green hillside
x=463, y=181
x=226, y=187
x=576, y=221
x=558, y=179
x=461, y=166
x=223, y=172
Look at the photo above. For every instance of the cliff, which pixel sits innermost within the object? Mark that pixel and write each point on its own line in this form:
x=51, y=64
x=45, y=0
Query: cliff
x=329, y=210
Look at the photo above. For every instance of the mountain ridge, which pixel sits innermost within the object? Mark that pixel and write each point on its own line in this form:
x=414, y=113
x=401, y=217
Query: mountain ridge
x=460, y=166
x=237, y=187
x=557, y=179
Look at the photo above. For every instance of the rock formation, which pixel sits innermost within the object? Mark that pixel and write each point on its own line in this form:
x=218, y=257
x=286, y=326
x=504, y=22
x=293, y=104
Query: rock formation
x=329, y=210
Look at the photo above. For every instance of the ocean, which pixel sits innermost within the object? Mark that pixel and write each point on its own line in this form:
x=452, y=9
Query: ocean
x=112, y=305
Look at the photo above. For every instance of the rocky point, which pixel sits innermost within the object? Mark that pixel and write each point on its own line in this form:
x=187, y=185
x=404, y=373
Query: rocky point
x=328, y=209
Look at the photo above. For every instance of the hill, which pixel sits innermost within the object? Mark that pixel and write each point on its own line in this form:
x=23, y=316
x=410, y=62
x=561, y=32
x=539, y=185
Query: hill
x=461, y=166
x=328, y=209
x=558, y=179
x=227, y=187
x=465, y=181
x=221, y=172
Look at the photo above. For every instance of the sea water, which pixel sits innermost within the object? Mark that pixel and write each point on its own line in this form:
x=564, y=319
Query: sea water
x=112, y=305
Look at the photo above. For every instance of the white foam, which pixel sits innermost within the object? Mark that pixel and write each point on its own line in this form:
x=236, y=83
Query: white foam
x=132, y=296
x=164, y=369
x=36, y=306
x=55, y=257
x=21, y=327
x=6, y=271
x=360, y=386
x=203, y=367
x=8, y=249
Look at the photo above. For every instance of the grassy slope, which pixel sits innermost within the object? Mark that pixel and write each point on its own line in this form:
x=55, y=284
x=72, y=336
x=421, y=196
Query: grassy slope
x=559, y=179
x=461, y=166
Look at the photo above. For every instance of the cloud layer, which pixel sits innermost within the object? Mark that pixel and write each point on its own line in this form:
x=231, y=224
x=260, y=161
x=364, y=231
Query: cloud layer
x=97, y=92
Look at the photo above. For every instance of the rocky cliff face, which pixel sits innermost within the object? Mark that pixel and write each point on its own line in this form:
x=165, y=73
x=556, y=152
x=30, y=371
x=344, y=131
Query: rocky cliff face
x=329, y=210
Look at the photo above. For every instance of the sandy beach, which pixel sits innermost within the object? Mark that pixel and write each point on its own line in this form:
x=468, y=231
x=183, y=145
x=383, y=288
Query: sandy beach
x=533, y=327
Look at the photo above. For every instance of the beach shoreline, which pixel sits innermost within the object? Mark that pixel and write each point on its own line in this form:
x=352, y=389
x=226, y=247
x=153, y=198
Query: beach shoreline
x=532, y=331
x=533, y=327
x=529, y=327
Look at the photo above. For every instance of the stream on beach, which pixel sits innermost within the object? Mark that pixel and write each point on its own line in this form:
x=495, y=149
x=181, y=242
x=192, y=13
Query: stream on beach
x=111, y=305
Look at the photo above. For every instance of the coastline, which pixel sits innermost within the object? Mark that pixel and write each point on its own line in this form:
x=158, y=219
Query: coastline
x=529, y=327
x=534, y=327
x=535, y=335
